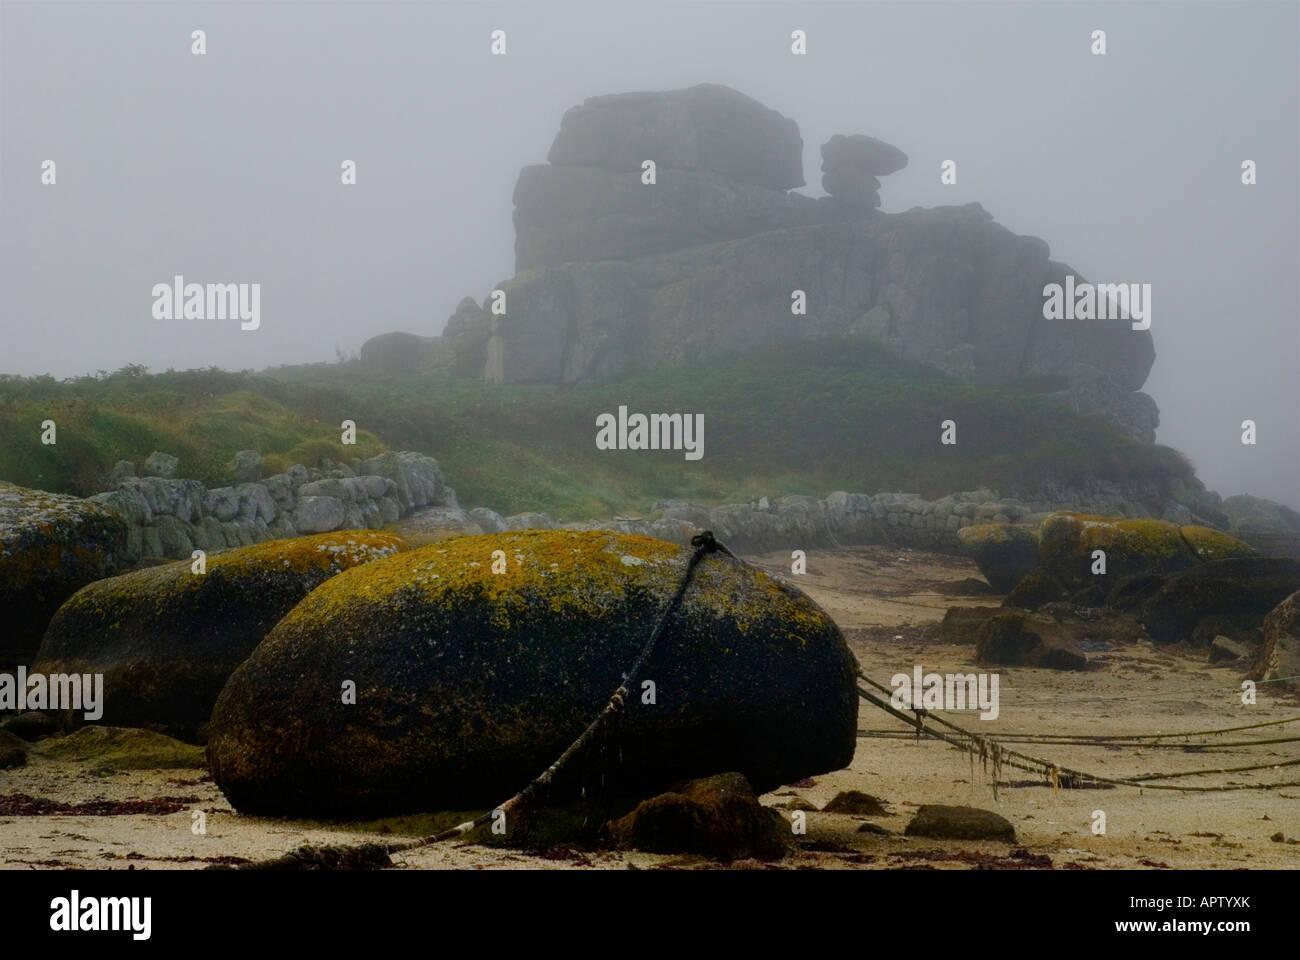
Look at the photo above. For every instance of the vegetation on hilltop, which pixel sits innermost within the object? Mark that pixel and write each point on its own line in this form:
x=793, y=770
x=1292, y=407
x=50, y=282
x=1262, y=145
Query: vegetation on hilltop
x=808, y=418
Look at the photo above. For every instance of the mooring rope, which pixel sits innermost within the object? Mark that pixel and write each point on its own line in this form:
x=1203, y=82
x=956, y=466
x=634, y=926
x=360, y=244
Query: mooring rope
x=1098, y=742
x=1151, y=696
x=704, y=544
x=1058, y=775
x=1106, y=738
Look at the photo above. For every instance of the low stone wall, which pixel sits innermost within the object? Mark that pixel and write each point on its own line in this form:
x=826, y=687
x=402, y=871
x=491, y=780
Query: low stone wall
x=796, y=522
x=172, y=517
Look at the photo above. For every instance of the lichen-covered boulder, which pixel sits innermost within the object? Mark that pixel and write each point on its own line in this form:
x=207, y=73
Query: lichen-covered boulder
x=166, y=638
x=1132, y=546
x=1229, y=597
x=1004, y=552
x=50, y=545
x=469, y=683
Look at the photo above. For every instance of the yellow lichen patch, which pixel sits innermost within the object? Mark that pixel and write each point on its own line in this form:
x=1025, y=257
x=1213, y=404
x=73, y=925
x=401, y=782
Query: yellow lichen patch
x=573, y=572
x=321, y=555
x=1073, y=545
x=343, y=548
x=1155, y=538
x=1209, y=544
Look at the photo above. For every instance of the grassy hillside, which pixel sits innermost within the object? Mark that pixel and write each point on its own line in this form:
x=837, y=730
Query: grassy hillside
x=808, y=419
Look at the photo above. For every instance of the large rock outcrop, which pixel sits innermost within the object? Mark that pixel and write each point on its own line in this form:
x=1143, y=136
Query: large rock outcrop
x=469, y=682
x=616, y=274
x=166, y=638
x=50, y=546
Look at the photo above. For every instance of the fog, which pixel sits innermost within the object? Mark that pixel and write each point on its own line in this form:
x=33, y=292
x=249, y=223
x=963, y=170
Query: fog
x=226, y=167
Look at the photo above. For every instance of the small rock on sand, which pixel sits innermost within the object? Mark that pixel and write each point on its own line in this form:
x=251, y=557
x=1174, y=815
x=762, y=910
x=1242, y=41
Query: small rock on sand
x=959, y=823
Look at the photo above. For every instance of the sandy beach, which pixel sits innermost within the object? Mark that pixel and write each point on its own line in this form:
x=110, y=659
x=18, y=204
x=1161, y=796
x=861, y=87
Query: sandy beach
x=886, y=600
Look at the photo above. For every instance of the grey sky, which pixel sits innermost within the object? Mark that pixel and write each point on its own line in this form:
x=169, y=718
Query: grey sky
x=226, y=167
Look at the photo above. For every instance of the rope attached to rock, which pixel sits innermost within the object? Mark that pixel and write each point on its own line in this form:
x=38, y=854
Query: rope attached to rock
x=704, y=544
x=1057, y=775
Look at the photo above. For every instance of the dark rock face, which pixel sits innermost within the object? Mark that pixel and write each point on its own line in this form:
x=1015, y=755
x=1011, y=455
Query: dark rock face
x=470, y=683
x=563, y=214
x=1037, y=588
x=717, y=816
x=1013, y=638
x=1231, y=597
x=1092, y=391
x=960, y=823
x=1279, y=656
x=706, y=127
x=50, y=546
x=945, y=286
x=166, y=638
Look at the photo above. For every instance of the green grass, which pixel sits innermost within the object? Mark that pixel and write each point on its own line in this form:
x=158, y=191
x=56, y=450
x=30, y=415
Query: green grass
x=806, y=419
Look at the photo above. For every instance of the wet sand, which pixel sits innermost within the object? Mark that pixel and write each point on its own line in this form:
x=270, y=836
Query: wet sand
x=883, y=599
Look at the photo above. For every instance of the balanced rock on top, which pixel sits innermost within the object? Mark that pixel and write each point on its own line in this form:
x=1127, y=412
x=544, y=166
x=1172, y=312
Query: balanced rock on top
x=852, y=164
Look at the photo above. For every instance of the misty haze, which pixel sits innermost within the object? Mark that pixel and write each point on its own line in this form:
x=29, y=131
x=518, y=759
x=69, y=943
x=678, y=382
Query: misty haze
x=397, y=397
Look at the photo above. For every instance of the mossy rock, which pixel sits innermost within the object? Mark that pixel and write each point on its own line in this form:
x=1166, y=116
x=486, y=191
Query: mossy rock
x=1004, y=552
x=121, y=748
x=1132, y=593
x=1067, y=541
x=1019, y=639
x=1231, y=597
x=166, y=639
x=1209, y=544
x=717, y=817
x=1036, y=588
x=50, y=546
x=469, y=683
